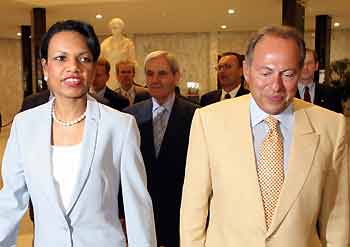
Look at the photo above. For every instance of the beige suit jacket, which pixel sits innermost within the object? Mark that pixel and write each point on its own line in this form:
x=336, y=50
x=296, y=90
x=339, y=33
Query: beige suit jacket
x=221, y=178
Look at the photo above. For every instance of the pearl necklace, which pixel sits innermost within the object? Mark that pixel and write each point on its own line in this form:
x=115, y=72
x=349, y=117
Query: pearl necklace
x=63, y=123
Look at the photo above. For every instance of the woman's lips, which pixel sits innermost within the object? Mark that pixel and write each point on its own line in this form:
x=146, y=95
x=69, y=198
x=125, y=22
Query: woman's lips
x=72, y=81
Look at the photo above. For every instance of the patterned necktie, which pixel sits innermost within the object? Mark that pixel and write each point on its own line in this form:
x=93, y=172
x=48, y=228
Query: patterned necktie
x=159, y=127
x=307, y=94
x=127, y=95
x=227, y=96
x=270, y=168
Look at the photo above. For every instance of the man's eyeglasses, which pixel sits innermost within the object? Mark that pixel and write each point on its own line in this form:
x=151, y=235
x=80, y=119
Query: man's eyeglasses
x=223, y=66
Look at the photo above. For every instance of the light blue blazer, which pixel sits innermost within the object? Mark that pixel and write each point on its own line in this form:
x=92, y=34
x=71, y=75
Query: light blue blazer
x=110, y=155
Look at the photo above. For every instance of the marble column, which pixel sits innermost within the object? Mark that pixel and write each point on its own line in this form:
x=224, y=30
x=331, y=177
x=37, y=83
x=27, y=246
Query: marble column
x=26, y=60
x=38, y=30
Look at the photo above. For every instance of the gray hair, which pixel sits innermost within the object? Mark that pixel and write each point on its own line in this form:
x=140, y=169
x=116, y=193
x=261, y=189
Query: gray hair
x=284, y=32
x=172, y=61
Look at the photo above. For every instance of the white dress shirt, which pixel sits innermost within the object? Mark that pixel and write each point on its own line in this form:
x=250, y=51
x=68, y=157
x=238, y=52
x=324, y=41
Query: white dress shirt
x=301, y=89
x=232, y=93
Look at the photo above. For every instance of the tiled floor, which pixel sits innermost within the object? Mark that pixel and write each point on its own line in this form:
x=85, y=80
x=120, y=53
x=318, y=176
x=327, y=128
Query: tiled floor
x=26, y=228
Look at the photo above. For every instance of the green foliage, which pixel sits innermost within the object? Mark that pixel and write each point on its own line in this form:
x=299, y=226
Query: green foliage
x=340, y=76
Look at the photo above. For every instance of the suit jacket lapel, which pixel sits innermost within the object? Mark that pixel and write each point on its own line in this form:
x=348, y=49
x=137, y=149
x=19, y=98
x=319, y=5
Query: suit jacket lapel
x=247, y=158
x=218, y=96
x=43, y=169
x=303, y=148
x=146, y=127
x=87, y=149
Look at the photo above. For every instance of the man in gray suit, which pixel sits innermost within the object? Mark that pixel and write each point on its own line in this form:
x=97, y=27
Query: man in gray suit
x=128, y=87
x=164, y=122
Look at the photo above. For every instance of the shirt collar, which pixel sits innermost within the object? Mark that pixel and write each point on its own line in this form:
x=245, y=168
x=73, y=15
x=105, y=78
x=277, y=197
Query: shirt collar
x=257, y=115
x=168, y=104
x=130, y=91
x=233, y=92
x=301, y=86
x=99, y=94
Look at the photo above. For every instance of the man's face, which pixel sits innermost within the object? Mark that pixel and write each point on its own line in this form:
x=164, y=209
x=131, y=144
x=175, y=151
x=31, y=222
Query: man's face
x=273, y=74
x=229, y=71
x=310, y=66
x=125, y=75
x=160, y=79
x=101, y=78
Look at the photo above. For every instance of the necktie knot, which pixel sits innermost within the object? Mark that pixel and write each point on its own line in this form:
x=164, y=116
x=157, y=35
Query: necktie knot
x=272, y=123
x=160, y=111
x=227, y=96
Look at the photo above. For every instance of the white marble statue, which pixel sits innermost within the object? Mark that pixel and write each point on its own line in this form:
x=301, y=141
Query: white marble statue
x=116, y=48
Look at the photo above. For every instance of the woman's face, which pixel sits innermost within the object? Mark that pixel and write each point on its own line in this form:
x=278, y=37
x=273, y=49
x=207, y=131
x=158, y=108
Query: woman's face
x=69, y=66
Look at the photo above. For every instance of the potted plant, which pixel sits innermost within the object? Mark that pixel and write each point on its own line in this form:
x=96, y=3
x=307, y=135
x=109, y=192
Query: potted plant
x=340, y=79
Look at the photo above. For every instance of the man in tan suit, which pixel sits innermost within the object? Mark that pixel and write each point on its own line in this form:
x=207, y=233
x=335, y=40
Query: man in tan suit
x=306, y=201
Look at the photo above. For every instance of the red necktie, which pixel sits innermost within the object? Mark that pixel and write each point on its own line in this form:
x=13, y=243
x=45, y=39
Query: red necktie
x=227, y=96
x=307, y=94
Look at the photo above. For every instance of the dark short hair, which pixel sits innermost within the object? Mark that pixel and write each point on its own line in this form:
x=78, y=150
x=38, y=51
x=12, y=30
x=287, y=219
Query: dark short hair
x=284, y=32
x=83, y=28
x=127, y=62
x=104, y=62
x=313, y=53
x=239, y=57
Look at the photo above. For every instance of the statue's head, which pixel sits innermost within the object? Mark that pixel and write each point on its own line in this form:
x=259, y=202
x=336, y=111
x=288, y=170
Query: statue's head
x=117, y=26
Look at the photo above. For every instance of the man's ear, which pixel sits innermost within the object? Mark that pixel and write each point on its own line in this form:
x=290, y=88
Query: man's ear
x=246, y=71
x=317, y=65
x=177, y=77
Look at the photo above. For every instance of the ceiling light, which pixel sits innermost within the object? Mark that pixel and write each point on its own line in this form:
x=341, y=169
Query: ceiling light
x=19, y=34
x=223, y=26
x=336, y=24
x=99, y=16
x=231, y=11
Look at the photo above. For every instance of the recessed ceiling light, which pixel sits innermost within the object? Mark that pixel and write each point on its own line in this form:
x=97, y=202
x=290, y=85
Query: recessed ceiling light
x=19, y=34
x=231, y=11
x=223, y=26
x=336, y=24
x=99, y=16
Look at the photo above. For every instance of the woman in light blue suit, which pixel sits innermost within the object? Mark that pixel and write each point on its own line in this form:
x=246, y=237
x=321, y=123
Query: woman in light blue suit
x=70, y=155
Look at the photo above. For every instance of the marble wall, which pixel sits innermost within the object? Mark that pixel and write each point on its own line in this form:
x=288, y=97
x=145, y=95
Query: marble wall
x=11, y=91
x=196, y=52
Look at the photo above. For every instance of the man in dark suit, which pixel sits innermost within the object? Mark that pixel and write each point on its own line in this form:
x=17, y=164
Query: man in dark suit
x=128, y=87
x=101, y=92
x=164, y=122
x=229, y=75
x=313, y=92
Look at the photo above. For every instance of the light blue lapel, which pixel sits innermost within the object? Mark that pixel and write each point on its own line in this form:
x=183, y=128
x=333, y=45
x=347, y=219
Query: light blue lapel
x=87, y=149
x=43, y=170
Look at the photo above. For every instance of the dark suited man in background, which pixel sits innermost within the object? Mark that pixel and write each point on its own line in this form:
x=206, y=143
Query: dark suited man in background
x=128, y=87
x=230, y=73
x=164, y=122
x=101, y=92
x=312, y=91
